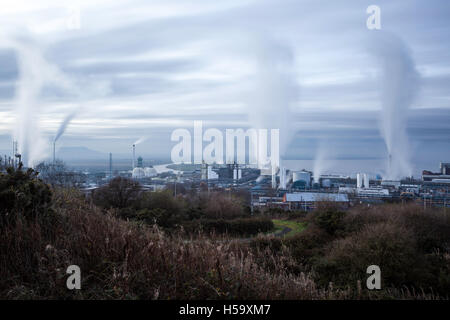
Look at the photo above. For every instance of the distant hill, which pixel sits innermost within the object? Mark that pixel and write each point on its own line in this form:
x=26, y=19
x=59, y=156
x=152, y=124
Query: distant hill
x=79, y=153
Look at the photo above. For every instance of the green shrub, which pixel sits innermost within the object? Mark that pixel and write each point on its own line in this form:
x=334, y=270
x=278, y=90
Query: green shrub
x=329, y=219
x=163, y=199
x=235, y=227
x=24, y=196
x=308, y=244
x=118, y=193
x=431, y=228
x=390, y=246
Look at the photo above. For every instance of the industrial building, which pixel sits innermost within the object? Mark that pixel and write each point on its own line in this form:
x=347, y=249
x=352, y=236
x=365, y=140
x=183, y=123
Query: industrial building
x=139, y=172
x=301, y=179
x=308, y=200
x=442, y=177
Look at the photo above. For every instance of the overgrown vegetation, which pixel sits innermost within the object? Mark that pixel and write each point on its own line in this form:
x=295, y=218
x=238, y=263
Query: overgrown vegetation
x=137, y=248
x=207, y=212
x=410, y=245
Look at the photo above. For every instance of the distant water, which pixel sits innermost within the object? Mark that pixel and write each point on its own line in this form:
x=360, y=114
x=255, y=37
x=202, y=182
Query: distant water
x=163, y=168
x=350, y=167
x=346, y=167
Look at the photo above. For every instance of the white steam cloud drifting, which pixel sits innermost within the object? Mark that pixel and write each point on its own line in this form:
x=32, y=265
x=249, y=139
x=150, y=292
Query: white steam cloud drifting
x=140, y=140
x=274, y=92
x=321, y=163
x=34, y=74
x=399, y=85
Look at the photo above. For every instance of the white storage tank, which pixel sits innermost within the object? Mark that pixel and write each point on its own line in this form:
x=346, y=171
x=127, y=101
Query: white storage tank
x=326, y=183
x=302, y=176
x=150, y=172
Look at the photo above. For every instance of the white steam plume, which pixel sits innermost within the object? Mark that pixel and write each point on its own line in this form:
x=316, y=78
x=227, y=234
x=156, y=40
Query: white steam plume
x=321, y=164
x=399, y=84
x=274, y=92
x=140, y=140
x=34, y=74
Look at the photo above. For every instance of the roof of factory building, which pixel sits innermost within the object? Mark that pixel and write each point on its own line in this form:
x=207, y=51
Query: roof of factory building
x=315, y=196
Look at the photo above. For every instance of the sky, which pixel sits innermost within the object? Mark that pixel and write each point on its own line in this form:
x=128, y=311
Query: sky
x=140, y=68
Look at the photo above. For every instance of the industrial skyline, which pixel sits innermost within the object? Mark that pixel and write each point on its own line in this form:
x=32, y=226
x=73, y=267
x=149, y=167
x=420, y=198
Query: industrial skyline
x=170, y=63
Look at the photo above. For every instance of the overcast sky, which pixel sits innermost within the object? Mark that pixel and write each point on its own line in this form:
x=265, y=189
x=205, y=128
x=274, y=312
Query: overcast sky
x=145, y=68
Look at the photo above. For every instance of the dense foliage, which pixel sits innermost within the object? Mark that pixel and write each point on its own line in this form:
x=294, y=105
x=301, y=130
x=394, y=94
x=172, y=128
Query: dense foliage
x=133, y=247
x=23, y=197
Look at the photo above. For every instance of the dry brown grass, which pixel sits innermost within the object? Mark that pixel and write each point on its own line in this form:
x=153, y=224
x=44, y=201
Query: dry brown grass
x=124, y=260
x=130, y=260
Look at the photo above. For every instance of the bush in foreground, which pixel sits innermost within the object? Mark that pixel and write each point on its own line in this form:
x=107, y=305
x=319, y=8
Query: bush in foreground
x=125, y=260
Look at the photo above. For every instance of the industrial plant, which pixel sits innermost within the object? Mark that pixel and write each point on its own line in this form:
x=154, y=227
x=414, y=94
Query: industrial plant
x=268, y=188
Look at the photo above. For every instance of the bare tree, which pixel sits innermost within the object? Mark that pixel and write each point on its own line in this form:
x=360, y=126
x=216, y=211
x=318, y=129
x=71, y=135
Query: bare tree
x=118, y=193
x=57, y=174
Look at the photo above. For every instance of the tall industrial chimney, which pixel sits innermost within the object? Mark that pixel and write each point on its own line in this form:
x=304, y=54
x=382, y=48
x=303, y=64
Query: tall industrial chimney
x=134, y=156
x=54, y=152
x=13, y=152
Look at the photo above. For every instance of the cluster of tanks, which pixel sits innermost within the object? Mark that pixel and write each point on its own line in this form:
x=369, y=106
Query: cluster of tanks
x=139, y=172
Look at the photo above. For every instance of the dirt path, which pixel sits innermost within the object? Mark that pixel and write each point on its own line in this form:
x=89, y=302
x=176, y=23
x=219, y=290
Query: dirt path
x=283, y=232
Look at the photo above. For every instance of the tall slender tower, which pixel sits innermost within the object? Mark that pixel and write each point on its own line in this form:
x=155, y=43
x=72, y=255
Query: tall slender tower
x=14, y=164
x=110, y=165
x=134, y=156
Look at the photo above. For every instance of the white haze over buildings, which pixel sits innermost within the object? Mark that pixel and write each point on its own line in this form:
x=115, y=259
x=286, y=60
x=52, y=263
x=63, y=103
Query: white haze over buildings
x=149, y=67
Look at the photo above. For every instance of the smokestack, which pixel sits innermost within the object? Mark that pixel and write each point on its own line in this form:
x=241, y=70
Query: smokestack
x=204, y=170
x=17, y=157
x=54, y=152
x=134, y=156
x=14, y=152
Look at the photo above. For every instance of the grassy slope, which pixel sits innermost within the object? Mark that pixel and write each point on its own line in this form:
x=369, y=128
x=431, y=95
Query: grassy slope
x=295, y=226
